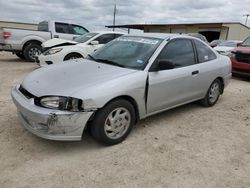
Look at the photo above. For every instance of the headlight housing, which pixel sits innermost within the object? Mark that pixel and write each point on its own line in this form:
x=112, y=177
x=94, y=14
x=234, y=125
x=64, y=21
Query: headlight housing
x=52, y=51
x=231, y=55
x=60, y=103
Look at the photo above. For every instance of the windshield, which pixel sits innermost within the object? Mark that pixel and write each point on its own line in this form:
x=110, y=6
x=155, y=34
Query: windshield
x=246, y=42
x=128, y=51
x=228, y=44
x=85, y=37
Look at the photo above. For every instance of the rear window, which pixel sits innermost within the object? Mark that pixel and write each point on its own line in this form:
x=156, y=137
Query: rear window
x=43, y=26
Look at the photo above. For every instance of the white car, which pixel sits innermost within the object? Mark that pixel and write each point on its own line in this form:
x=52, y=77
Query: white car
x=226, y=47
x=59, y=50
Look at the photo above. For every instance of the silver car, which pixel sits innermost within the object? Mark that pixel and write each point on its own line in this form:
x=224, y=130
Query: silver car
x=130, y=78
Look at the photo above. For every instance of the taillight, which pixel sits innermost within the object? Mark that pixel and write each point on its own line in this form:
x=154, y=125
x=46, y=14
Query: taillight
x=6, y=34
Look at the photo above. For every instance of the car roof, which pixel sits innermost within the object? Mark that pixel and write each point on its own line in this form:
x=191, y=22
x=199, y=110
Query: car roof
x=163, y=36
x=236, y=41
x=107, y=32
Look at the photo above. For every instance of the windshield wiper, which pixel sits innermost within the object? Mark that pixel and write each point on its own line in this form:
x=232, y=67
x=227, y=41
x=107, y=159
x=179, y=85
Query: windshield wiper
x=109, y=62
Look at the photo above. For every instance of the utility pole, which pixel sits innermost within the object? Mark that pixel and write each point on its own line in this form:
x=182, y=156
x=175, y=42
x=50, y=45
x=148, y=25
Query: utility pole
x=246, y=15
x=115, y=11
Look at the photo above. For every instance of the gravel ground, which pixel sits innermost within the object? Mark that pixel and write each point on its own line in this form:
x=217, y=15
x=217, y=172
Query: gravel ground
x=190, y=146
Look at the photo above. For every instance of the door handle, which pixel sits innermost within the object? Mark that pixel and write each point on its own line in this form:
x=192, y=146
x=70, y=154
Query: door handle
x=56, y=36
x=195, y=72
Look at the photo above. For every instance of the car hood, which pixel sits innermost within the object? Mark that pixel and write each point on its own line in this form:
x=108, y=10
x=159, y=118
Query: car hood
x=69, y=77
x=241, y=49
x=57, y=42
x=223, y=48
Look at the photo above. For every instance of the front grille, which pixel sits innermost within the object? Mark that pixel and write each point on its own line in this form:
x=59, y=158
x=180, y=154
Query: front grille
x=26, y=93
x=244, y=58
x=241, y=70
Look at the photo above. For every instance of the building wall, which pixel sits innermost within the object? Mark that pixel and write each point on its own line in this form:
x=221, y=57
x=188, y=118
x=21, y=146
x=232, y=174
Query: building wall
x=230, y=31
x=18, y=25
x=237, y=31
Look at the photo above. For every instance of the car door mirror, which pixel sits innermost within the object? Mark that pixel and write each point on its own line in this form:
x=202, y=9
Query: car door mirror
x=239, y=44
x=94, y=42
x=165, y=65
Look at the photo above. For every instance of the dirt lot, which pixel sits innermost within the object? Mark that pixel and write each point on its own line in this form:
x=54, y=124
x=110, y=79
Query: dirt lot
x=190, y=146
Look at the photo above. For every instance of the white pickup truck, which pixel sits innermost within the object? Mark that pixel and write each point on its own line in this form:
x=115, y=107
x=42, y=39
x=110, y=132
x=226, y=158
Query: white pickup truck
x=26, y=43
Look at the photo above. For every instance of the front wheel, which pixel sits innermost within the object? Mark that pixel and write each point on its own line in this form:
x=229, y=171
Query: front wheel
x=113, y=123
x=213, y=94
x=72, y=56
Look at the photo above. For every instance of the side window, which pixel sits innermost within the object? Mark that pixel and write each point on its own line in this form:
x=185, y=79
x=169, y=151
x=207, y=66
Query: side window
x=43, y=26
x=62, y=28
x=180, y=52
x=117, y=35
x=79, y=30
x=204, y=52
x=103, y=39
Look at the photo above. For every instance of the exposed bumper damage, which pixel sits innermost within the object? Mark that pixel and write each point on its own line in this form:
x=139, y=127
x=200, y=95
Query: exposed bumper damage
x=48, y=123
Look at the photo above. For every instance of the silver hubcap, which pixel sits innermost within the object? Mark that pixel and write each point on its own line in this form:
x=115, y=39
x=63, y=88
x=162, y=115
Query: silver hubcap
x=33, y=52
x=214, y=92
x=117, y=123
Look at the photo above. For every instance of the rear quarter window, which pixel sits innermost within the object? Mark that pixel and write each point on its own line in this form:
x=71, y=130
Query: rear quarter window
x=204, y=53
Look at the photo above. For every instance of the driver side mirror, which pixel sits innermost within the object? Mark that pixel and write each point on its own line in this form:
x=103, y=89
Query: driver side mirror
x=94, y=42
x=165, y=65
x=239, y=44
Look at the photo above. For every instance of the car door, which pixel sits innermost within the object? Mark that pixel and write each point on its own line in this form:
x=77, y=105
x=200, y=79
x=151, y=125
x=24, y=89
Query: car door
x=102, y=39
x=169, y=88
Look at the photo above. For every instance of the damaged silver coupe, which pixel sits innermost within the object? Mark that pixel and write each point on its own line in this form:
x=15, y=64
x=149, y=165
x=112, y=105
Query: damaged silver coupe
x=128, y=79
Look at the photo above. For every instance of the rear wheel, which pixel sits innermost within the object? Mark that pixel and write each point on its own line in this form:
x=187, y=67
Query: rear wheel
x=20, y=55
x=213, y=94
x=113, y=123
x=72, y=56
x=31, y=51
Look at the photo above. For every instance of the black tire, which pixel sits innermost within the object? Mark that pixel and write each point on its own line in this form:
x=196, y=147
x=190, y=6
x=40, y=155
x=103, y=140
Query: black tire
x=31, y=51
x=98, y=126
x=20, y=55
x=208, y=101
x=72, y=56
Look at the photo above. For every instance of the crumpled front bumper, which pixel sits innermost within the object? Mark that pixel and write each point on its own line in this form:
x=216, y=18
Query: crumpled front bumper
x=48, y=123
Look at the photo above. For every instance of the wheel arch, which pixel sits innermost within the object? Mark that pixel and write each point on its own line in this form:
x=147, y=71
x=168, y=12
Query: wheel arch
x=222, y=84
x=127, y=98
x=31, y=42
x=72, y=53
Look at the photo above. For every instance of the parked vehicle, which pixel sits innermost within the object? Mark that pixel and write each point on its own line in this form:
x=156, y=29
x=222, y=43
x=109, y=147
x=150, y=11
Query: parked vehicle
x=131, y=78
x=26, y=44
x=225, y=48
x=241, y=59
x=215, y=43
x=58, y=50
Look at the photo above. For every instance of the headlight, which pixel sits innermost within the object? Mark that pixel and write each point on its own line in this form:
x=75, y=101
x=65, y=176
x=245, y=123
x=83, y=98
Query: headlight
x=52, y=51
x=231, y=55
x=61, y=103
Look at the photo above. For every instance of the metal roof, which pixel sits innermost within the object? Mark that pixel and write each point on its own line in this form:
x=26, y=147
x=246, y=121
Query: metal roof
x=142, y=26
